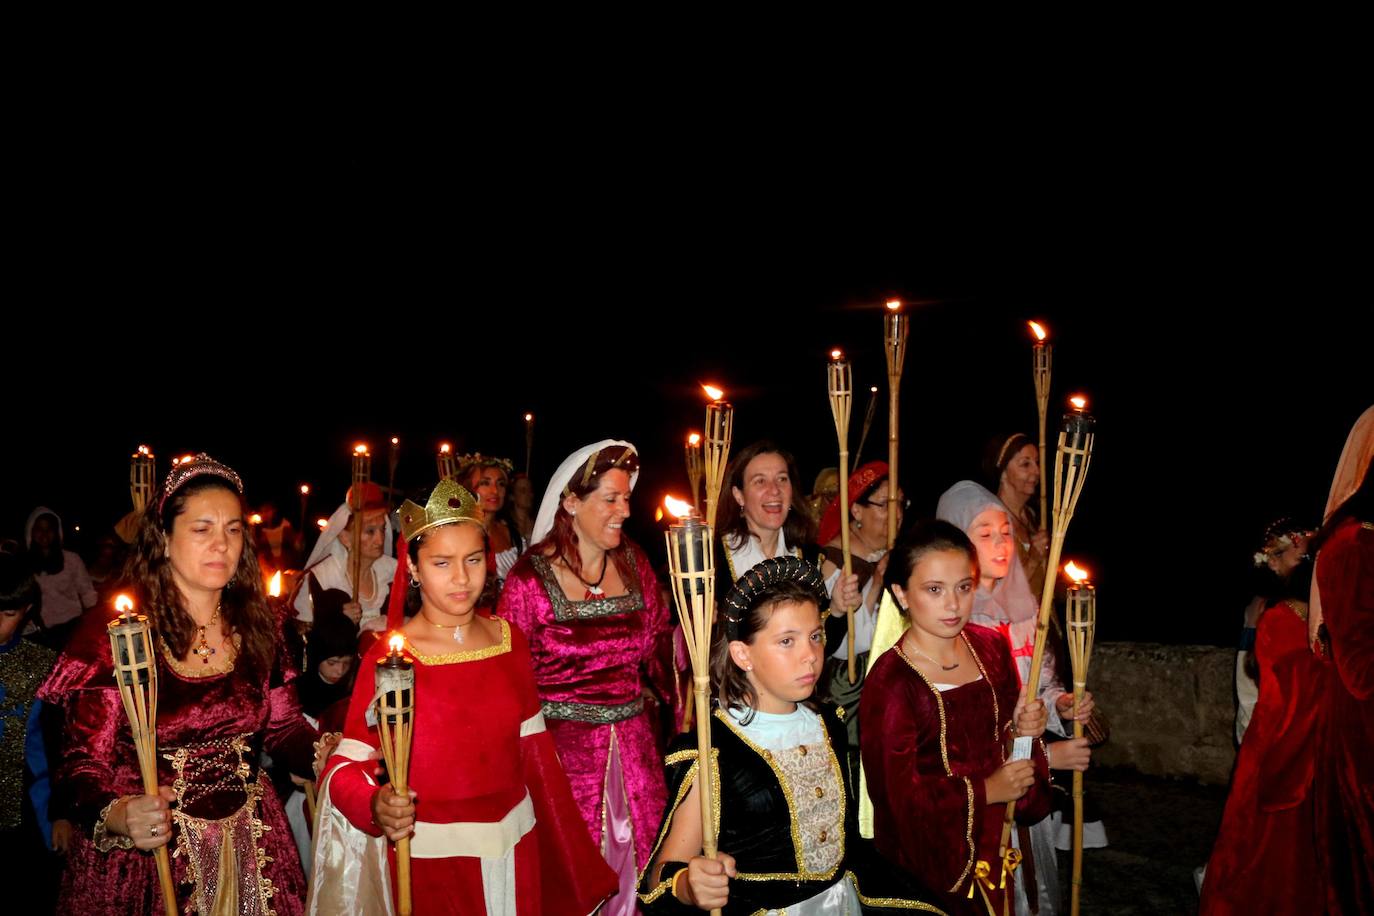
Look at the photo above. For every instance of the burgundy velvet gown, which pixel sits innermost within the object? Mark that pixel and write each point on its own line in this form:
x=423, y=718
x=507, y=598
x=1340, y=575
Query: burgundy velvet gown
x=1264, y=859
x=927, y=753
x=489, y=788
x=210, y=731
x=1345, y=755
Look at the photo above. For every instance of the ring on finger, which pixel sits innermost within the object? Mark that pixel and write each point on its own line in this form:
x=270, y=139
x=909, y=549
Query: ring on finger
x=152, y=831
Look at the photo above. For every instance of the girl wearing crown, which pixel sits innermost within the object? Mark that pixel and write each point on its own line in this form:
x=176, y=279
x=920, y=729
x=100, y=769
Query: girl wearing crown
x=787, y=830
x=491, y=820
x=226, y=694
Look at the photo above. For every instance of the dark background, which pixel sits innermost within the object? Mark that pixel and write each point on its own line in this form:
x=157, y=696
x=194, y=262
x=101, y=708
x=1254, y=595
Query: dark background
x=273, y=294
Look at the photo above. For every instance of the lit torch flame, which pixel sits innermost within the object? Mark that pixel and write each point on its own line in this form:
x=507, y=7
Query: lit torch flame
x=1078, y=401
x=694, y=439
x=713, y=392
x=445, y=448
x=305, y=489
x=873, y=389
x=143, y=450
x=529, y=418
x=255, y=519
x=395, y=440
x=1038, y=329
x=676, y=507
x=360, y=448
x=124, y=605
x=894, y=304
x=322, y=522
x=836, y=355
x=274, y=585
x=1075, y=572
x=397, y=642
x=658, y=514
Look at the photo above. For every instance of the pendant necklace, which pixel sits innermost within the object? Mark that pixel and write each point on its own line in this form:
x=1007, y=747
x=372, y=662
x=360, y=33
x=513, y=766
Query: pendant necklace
x=203, y=648
x=594, y=589
x=457, y=628
x=931, y=660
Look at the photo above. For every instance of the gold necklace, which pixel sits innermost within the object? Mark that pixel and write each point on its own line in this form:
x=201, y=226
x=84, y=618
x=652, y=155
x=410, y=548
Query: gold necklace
x=457, y=628
x=203, y=648
x=914, y=648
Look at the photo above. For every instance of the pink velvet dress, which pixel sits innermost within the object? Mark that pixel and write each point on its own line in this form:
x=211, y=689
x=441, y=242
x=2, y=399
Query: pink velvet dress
x=210, y=732
x=592, y=661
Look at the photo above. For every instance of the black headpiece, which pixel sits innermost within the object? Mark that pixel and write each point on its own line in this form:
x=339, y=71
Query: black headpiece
x=746, y=591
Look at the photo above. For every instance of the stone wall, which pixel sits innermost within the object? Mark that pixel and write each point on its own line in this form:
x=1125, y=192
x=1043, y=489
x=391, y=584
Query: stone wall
x=1171, y=708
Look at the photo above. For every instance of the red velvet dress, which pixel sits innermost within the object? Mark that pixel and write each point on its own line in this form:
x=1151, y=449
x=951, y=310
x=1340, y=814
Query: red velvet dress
x=210, y=731
x=1264, y=860
x=1345, y=774
x=927, y=753
x=487, y=781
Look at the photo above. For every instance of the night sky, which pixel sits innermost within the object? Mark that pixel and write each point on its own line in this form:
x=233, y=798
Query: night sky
x=273, y=298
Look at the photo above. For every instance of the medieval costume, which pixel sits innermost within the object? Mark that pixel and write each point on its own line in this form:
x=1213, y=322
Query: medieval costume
x=1264, y=860
x=784, y=803
x=927, y=750
x=497, y=830
x=232, y=842
x=1344, y=593
x=592, y=661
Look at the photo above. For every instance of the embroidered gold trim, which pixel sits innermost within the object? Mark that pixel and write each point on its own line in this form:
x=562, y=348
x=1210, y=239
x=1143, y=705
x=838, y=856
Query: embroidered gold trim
x=189, y=825
x=678, y=757
x=472, y=655
x=203, y=671
x=104, y=840
x=944, y=748
x=802, y=874
x=896, y=903
x=682, y=791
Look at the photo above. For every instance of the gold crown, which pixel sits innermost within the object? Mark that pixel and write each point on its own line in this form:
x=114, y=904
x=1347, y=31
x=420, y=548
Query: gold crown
x=448, y=503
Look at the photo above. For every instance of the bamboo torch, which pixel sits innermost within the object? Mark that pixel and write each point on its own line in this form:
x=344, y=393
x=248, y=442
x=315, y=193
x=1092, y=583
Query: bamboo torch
x=720, y=422
x=395, y=726
x=1042, y=356
x=693, y=454
x=868, y=422
x=136, y=676
x=1081, y=613
x=393, y=458
x=896, y=327
x=840, y=382
x=693, y=577
x=1071, y=459
x=141, y=469
x=529, y=441
x=305, y=505
x=447, y=462
x=362, y=474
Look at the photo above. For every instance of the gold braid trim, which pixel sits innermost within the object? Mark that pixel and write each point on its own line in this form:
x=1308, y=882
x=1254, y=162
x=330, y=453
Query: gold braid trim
x=944, y=750
x=896, y=903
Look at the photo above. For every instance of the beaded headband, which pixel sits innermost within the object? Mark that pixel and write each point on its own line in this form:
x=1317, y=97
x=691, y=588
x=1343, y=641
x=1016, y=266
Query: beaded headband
x=448, y=503
x=746, y=591
x=624, y=458
x=195, y=467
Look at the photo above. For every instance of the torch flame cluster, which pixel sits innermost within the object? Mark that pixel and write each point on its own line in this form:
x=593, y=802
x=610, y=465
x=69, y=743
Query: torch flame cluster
x=1075, y=572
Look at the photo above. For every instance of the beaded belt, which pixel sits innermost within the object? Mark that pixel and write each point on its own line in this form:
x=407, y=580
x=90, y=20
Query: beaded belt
x=594, y=712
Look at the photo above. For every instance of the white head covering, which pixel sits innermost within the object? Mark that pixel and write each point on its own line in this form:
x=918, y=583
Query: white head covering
x=1011, y=598
x=1350, y=471
x=573, y=464
x=330, y=545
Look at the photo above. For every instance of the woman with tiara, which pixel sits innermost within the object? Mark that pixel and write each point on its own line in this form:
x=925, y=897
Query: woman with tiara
x=492, y=824
x=600, y=639
x=226, y=695
x=489, y=480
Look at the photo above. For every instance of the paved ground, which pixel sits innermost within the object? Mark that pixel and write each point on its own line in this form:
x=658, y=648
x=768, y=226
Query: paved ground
x=1159, y=831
